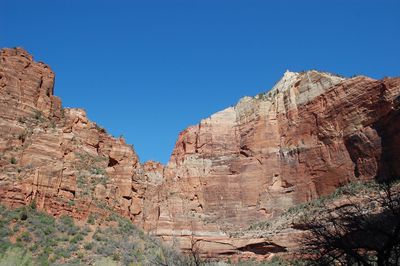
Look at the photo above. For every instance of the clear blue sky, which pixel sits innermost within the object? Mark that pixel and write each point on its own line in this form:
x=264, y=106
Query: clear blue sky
x=148, y=69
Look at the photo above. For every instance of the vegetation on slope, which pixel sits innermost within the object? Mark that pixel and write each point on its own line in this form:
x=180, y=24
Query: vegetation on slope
x=31, y=237
x=307, y=209
x=358, y=224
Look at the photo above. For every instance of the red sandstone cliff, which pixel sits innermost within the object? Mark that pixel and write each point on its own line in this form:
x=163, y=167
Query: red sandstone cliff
x=310, y=134
x=57, y=156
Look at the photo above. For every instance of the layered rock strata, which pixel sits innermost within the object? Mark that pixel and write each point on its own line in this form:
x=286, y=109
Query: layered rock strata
x=310, y=134
x=55, y=156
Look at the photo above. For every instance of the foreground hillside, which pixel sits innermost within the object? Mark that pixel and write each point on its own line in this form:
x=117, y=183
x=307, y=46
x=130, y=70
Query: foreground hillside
x=246, y=165
x=31, y=237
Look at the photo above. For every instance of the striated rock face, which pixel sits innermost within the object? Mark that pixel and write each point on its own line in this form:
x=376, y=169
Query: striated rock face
x=310, y=134
x=56, y=156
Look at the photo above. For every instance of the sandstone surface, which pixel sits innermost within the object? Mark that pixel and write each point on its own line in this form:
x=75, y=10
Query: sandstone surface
x=56, y=156
x=310, y=134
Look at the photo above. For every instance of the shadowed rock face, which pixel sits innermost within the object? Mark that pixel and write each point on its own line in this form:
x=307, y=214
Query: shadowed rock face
x=310, y=134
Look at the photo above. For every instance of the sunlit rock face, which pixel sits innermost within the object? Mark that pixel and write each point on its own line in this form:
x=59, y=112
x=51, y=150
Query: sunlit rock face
x=311, y=133
x=56, y=156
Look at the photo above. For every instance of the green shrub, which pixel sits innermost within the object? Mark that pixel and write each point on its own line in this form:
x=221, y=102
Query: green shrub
x=26, y=237
x=33, y=248
x=89, y=246
x=77, y=238
x=105, y=249
x=16, y=228
x=45, y=219
x=62, y=252
x=38, y=115
x=66, y=225
x=97, y=237
x=4, y=245
x=91, y=219
x=22, y=136
x=86, y=230
x=80, y=255
x=4, y=230
x=97, y=171
x=116, y=257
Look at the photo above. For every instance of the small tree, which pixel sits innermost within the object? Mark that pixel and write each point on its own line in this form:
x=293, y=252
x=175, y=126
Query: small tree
x=366, y=232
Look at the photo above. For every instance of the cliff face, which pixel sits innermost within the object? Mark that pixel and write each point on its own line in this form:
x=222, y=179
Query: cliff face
x=56, y=156
x=310, y=134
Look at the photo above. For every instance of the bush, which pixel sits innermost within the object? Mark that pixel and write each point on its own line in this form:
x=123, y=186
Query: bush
x=77, y=238
x=97, y=171
x=97, y=236
x=26, y=237
x=116, y=257
x=62, y=252
x=105, y=249
x=91, y=219
x=37, y=115
x=67, y=225
x=89, y=246
x=45, y=219
x=86, y=230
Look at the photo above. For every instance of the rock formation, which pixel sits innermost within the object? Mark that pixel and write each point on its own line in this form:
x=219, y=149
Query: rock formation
x=311, y=133
x=54, y=155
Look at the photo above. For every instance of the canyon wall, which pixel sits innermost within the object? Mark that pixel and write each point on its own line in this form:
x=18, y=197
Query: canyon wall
x=311, y=133
x=56, y=156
